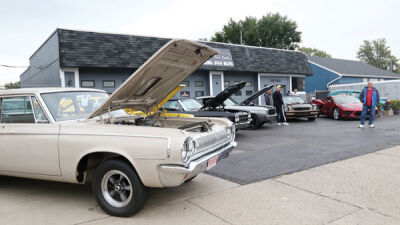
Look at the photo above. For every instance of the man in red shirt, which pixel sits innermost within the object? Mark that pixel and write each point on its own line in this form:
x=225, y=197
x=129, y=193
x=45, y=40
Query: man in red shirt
x=369, y=96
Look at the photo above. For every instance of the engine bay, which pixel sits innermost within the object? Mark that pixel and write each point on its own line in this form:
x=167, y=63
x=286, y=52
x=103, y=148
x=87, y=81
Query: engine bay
x=156, y=120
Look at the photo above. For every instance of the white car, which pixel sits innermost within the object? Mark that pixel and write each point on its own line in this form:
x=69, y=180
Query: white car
x=77, y=135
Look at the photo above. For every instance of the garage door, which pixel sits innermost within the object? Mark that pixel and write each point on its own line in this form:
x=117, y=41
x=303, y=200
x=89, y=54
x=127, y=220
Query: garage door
x=275, y=80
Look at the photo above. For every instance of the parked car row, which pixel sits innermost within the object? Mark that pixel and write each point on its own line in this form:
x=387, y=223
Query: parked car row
x=79, y=135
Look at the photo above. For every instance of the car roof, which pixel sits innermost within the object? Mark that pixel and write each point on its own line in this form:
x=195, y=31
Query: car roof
x=21, y=91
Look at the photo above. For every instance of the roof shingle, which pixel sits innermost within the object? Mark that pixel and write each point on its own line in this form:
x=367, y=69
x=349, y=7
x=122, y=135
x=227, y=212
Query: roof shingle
x=92, y=49
x=351, y=67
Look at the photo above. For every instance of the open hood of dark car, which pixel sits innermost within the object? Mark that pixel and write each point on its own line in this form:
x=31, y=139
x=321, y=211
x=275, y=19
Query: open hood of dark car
x=221, y=97
x=255, y=95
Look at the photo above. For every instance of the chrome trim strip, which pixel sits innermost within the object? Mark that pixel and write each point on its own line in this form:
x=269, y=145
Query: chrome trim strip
x=168, y=150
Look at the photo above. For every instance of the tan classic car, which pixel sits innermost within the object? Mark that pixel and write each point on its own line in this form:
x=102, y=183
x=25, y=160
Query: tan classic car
x=79, y=135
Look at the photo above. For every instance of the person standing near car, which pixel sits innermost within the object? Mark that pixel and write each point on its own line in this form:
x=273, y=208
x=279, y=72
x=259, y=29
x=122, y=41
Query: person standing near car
x=279, y=105
x=268, y=98
x=369, y=96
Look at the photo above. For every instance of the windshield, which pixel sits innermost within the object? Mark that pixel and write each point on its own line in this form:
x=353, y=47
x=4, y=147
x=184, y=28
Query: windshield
x=230, y=102
x=346, y=100
x=354, y=94
x=74, y=105
x=191, y=104
x=292, y=100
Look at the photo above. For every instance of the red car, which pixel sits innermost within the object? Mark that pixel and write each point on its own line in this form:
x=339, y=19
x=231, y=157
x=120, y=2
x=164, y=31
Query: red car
x=340, y=107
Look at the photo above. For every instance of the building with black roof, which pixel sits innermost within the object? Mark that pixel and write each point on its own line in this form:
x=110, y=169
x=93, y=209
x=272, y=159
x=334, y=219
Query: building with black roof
x=71, y=58
x=331, y=71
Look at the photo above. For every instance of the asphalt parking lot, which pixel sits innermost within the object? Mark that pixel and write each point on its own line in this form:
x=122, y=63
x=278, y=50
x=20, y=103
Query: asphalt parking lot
x=273, y=151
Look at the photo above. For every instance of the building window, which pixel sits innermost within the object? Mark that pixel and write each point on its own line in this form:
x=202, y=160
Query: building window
x=199, y=83
x=186, y=83
x=236, y=82
x=185, y=93
x=199, y=93
x=108, y=83
x=248, y=93
x=298, y=83
x=87, y=83
x=249, y=84
x=238, y=93
x=226, y=84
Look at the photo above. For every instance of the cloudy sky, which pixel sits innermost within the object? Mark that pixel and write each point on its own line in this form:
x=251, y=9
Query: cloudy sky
x=338, y=27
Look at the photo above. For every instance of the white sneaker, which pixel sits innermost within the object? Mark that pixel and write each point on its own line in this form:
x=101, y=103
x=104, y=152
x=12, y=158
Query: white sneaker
x=361, y=126
x=371, y=126
x=285, y=124
x=279, y=124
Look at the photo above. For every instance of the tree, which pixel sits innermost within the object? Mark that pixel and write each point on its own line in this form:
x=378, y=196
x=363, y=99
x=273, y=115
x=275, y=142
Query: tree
x=377, y=53
x=12, y=85
x=314, y=52
x=271, y=30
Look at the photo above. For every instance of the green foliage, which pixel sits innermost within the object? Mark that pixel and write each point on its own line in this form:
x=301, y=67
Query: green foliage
x=378, y=54
x=271, y=30
x=379, y=105
x=12, y=85
x=314, y=52
x=395, y=104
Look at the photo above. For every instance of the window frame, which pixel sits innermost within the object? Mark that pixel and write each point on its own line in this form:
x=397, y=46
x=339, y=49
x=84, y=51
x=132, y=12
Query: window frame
x=186, y=81
x=94, y=84
x=29, y=96
x=108, y=81
x=202, y=83
x=195, y=94
x=41, y=107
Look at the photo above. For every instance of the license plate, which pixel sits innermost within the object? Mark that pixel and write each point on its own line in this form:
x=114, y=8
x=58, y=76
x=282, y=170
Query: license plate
x=212, y=162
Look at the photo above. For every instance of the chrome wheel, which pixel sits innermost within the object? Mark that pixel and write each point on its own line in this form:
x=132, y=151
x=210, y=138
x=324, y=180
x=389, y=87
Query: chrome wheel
x=116, y=188
x=336, y=114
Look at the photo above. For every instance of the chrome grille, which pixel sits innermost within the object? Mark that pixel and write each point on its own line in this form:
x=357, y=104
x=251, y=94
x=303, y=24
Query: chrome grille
x=302, y=108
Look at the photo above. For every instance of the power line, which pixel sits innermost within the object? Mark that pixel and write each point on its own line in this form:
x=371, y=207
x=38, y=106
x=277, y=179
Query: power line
x=18, y=67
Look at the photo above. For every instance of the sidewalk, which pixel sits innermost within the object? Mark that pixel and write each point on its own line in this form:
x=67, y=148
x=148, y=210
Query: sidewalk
x=361, y=190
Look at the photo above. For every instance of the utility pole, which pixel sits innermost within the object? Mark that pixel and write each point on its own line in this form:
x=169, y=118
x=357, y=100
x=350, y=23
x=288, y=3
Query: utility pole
x=241, y=37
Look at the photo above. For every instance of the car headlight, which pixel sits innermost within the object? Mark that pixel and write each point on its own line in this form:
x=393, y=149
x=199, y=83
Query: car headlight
x=249, y=116
x=237, y=118
x=315, y=107
x=188, y=148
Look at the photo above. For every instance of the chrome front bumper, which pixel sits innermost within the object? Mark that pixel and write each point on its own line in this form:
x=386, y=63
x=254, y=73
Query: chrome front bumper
x=242, y=125
x=175, y=175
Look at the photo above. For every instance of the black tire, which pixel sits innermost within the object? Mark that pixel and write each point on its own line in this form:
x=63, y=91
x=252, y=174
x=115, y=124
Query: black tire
x=311, y=118
x=336, y=117
x=116, y=188
x=255, y=122
x=190, y=179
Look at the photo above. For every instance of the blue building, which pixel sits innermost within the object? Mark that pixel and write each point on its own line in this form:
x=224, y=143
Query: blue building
x=72, y=58
x=330, y=71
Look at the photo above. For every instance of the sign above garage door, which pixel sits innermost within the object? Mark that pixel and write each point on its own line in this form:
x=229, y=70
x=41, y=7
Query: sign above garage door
x=222, y=59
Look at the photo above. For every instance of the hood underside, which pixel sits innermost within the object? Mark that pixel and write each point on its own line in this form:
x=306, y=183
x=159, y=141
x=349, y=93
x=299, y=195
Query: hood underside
x=255, y=95
x=221, y=97
x=158, y=76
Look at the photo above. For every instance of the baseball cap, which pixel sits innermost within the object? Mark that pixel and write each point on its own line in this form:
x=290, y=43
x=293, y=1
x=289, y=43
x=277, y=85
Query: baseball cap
x=279, y=86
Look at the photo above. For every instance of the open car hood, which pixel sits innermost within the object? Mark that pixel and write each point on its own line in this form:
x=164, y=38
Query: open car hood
x=255, y=95
x=158, y=76
x=221, y=97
